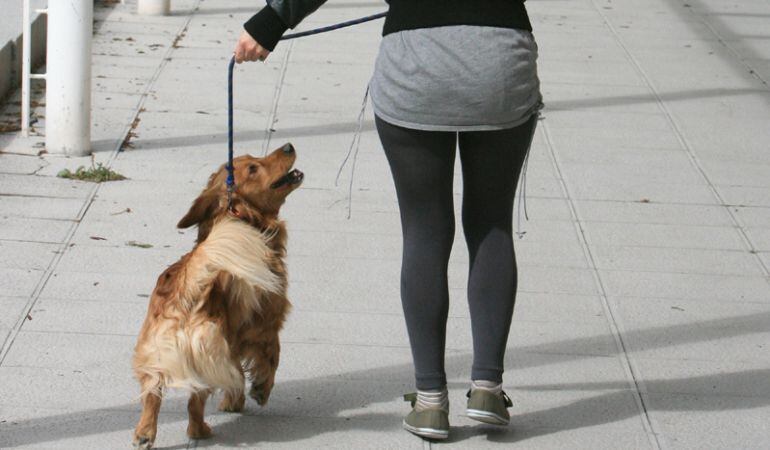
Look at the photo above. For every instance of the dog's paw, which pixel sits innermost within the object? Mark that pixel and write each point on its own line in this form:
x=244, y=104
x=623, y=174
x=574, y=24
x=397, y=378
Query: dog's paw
x=142, y=443
x=199, y=431
x=257, y=392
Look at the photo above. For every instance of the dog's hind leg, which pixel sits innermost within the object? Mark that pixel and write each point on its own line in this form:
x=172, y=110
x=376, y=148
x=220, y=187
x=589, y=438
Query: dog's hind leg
x=232, y=401
x=263, y=372
x=196, y=406
x=147, y=428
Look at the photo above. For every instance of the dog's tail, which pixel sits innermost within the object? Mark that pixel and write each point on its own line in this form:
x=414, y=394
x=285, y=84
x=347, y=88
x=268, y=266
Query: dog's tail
x=237, y=248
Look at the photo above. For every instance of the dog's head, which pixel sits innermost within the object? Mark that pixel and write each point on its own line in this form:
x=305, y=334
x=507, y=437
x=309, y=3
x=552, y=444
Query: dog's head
x=261, y=187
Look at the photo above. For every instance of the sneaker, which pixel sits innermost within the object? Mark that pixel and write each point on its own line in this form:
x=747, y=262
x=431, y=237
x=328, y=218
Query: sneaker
x=428, y=423
x=487, y=407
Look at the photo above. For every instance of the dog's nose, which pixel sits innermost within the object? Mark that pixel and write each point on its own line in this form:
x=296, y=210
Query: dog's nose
x=288, y=148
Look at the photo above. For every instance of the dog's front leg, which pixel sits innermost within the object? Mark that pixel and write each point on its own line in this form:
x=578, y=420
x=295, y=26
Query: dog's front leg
x=263, y=375
x=147, y=428
x=198, y=428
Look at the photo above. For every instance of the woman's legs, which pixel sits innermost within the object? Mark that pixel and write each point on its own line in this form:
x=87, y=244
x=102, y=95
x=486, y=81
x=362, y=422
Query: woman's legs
x=422, y=163
x=491, y=163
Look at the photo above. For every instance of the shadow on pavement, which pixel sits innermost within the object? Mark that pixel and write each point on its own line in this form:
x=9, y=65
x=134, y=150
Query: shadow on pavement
x=140, y=143
x=618, y=405
x=238, y=136
x=607, y=407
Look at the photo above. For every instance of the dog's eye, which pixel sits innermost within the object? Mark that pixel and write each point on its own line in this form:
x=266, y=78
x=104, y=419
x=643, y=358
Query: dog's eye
x=253, y=168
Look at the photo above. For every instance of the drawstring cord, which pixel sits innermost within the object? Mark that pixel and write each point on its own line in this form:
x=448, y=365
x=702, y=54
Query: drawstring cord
x=523, y=183
x=355, y=145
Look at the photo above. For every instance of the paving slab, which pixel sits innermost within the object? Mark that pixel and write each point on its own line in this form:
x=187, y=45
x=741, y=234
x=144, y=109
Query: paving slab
x=19, y=282
x=68, y=284
x=13, y=308
x=41, y=207
x=700, y=329
x=688, y=421
x=51, y=349
x=677, y=260
x=653, y=213
x=728, y=288
x=19, y=185
x=659, y=235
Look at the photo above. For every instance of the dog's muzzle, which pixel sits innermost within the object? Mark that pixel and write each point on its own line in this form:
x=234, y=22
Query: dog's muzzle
x=293, y=177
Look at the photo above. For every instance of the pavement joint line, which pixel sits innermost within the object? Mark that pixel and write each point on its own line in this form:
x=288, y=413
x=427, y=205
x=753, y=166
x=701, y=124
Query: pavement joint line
x=661, y=202
x=108, y=300
x=670, y=224
x=715, y=249
x=272, y=117
x=698, y=300
x=39, y=196
x=85, y=333
x=610, y=309
x=672, y=272
x=684, y=142
x=700, y=360
x=25, y=241
x=52, y=219
x=92, y=192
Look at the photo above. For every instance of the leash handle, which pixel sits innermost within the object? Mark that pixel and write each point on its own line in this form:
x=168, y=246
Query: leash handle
x=230, y=169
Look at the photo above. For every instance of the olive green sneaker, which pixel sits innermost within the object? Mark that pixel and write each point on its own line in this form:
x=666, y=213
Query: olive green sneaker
x=428, y=423
x=487, y=407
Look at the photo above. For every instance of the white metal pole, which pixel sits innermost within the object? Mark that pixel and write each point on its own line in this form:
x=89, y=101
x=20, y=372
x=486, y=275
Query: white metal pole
x=68, y=77
x=26, y=63
x=153, y=7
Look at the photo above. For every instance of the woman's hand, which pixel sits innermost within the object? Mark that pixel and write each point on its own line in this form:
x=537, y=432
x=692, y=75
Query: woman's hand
x=247, y=49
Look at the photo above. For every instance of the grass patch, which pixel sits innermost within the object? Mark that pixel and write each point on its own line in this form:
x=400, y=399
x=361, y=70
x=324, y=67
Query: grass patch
x=96, y=173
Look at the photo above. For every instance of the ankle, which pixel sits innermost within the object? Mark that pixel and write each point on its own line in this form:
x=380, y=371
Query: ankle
x=432, y=399
x=486, y=385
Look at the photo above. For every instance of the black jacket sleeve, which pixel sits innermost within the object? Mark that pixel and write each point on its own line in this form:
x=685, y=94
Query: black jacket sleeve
x=269, y=24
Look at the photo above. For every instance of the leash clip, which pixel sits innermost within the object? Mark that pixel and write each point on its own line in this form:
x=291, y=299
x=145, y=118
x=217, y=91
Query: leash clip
x=230, y=186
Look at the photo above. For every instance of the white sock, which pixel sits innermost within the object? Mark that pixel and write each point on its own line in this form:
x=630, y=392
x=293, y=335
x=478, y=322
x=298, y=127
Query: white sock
x=491, y=386
x=432, y=400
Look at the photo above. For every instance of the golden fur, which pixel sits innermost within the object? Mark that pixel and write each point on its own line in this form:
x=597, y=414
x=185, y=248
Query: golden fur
x=214, y=316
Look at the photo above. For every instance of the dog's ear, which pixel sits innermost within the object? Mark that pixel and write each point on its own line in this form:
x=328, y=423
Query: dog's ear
x=204, y=207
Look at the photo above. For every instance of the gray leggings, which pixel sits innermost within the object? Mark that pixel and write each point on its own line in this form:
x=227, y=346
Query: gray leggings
x=422, y=164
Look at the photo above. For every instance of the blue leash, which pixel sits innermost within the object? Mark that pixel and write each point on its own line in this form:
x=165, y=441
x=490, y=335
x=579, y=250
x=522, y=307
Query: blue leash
x=231, y=66
x=230, y=170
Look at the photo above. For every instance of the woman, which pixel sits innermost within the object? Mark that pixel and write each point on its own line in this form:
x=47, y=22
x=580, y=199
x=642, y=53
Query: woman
x=448, y=72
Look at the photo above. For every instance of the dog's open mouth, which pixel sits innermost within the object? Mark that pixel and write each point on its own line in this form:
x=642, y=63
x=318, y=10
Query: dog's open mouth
x=291, y=178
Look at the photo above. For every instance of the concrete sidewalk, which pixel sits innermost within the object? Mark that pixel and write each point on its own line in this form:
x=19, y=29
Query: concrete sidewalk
x=643, y=315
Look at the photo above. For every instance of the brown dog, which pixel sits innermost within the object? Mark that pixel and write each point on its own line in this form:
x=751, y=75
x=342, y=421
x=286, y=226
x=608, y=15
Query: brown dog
x=215, y=314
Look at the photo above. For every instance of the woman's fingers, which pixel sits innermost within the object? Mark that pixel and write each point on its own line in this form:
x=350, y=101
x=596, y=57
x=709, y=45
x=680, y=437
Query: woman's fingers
x=247, y=49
